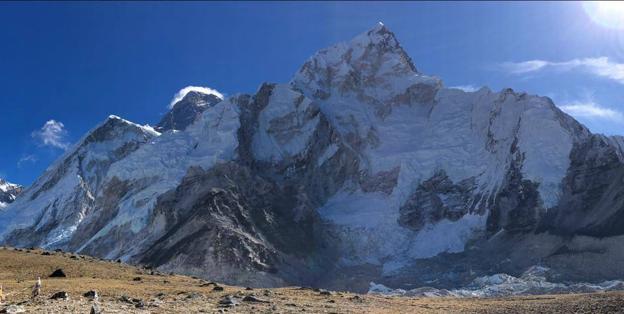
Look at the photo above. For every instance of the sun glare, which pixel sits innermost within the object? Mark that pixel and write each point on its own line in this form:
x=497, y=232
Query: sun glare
x=609, y=14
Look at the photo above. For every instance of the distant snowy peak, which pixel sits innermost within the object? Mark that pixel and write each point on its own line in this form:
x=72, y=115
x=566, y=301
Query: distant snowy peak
x=200, y=89
x=111, y=140
x=8, y=192
x=62, y=197
x=198, y=98
x=7, y=186
x=380, y=35
x=373, y=60
x=184, y=112
x=113, y=127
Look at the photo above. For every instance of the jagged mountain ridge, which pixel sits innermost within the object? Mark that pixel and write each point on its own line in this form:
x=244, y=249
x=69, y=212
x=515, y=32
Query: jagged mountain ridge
x=360, y=169
x=52, y=209
x=8, y=192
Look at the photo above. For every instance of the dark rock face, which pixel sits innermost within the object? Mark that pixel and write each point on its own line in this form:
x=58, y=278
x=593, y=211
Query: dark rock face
x=186, y=111
x=435, y=199
x=384, y=181
x=112, y=193
x=591, y=202
x=211, y=224
x=227, y=221
x=517, y=206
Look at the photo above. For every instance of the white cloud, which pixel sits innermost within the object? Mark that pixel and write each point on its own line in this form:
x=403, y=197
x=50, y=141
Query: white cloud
x=601, y=67
x=466, y=88
x=206, y=90
x=52, y=133
x=592, y=110
x=524, y=67
x=26, y=158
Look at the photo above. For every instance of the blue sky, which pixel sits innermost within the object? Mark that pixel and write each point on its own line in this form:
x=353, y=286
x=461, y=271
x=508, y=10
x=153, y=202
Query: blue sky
x=64, y=67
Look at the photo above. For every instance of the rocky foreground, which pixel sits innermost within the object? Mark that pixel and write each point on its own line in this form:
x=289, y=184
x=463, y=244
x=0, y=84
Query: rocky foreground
x=122, y=288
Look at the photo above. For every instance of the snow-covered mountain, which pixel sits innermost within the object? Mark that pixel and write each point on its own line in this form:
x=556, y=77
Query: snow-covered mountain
x=49, y=212
x=185, y=111
x=8, y=192
x=360, y=169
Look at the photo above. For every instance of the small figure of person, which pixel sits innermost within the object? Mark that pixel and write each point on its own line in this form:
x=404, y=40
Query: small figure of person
x=37, y=288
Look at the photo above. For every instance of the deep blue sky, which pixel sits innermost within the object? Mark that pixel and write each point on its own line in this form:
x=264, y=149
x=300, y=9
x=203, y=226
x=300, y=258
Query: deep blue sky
x=77, y=63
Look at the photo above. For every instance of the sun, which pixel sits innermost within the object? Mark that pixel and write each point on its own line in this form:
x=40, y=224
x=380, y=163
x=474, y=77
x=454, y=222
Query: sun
x=609, y=14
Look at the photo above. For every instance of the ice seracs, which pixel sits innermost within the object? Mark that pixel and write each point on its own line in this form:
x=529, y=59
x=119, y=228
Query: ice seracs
x=531, y=282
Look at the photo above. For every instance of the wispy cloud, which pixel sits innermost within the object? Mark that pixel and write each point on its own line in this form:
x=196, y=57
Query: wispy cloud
x=524, y=67
x=466, y=88
x=53, y=134
x=592, y=110
x=601, y=67
x=26, y=158
x=205, y=90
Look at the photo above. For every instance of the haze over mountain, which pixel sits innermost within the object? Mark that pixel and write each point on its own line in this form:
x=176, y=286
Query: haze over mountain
x=360, y=169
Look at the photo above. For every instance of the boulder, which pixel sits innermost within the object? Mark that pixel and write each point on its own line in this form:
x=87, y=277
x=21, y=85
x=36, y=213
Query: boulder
x=59, y=273
x=61, y=295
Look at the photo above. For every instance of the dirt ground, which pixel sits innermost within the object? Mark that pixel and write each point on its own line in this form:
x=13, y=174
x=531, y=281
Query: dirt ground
x=126, y=289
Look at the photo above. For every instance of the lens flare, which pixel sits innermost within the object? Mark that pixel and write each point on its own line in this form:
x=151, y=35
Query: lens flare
x=609, y=14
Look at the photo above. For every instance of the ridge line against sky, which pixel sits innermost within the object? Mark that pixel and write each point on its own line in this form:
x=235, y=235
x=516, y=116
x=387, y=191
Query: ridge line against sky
x=587, y=108
x=67, y=66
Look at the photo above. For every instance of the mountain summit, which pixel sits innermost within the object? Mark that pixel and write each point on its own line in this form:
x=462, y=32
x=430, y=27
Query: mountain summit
x=8, y=192
x=184, y=112
x=360, y=169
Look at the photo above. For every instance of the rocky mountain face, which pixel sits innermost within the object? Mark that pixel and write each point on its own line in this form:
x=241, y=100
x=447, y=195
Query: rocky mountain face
x=8, y=193
x=57, y=206
x=184, y=112
x=360, y=169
